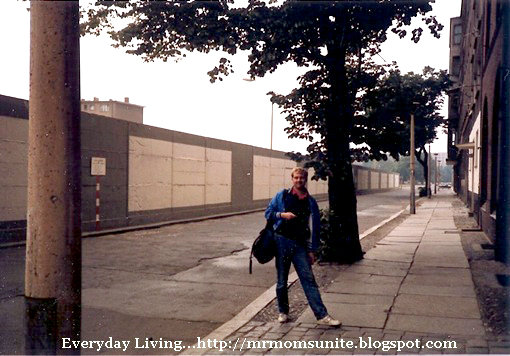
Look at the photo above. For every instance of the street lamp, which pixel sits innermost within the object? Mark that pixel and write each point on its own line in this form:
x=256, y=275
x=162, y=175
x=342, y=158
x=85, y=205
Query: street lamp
x=429, y=171
x=438, y=174
x=412, y=197
x=272, y=112
x=435, y=173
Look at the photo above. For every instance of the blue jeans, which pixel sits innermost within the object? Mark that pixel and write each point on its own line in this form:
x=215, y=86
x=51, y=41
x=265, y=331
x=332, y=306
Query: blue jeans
x=290, y=251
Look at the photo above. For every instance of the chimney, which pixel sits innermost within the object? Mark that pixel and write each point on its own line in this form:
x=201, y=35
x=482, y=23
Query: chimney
x=96, y=99
x=126, y=99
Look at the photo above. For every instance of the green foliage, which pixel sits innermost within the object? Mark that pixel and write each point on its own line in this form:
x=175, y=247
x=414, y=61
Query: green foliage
x=446, y=173
x=383, y=123
x=403, y=168
x=335, y=39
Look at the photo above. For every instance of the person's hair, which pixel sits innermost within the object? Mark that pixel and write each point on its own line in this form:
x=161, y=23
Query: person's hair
x=299, y=170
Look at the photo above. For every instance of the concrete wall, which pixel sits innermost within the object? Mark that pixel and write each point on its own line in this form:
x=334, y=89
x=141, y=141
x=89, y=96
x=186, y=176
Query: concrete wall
x=152, y=175
x=13, y=170
x=104, y=138
x=165, y=174
x=363, y=179
x=375, y=180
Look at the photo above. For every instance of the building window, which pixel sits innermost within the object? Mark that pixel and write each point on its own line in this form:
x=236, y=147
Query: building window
x=104, y=108
x=488, y=29
x=456, y=66
x=457, y=34
x=84, y=107
x=92, y=108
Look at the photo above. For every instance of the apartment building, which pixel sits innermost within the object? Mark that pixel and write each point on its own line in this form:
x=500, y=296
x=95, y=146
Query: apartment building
x=478, y=114
x=123, y=110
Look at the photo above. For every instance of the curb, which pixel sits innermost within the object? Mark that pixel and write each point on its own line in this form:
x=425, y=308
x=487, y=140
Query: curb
x=265, y=298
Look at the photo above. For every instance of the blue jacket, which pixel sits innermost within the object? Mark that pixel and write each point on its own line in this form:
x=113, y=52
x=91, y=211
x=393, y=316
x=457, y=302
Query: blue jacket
x=277, y=206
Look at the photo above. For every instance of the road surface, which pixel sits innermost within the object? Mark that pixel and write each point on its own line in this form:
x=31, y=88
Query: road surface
x=175, y=282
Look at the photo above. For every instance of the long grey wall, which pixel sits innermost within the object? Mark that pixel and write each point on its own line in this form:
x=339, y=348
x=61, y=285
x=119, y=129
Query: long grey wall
x=153, y=175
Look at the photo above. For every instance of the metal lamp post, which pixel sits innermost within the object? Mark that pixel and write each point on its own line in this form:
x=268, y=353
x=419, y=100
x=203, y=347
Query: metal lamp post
x=272, y=112
x=429, y=170
x=412, y=198
x=435, y=173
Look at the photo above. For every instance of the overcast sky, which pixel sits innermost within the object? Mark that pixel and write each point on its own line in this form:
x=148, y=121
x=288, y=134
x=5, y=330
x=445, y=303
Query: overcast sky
x=179, y=96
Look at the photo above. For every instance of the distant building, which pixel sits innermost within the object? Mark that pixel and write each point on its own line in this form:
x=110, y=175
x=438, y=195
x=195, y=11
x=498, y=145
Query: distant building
x=478, y=114
x=116, y=109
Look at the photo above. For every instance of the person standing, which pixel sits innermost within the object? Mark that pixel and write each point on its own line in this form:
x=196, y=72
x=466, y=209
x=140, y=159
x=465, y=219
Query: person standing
x=290, y=211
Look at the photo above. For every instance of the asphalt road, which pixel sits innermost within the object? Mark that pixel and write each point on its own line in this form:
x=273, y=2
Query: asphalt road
x=176, y=282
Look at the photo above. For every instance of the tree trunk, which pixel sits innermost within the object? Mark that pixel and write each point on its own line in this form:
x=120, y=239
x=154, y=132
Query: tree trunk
x=343, y=244
x=424, y=164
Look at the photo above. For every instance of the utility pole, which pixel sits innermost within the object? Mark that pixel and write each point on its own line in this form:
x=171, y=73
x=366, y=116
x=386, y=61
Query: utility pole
x=412, y=204
x=435, y=173
x=429, y=171
x=53, y=249
x=272, y=111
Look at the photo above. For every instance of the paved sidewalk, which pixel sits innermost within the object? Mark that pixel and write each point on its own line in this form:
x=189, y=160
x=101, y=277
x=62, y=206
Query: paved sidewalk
x=415, y=285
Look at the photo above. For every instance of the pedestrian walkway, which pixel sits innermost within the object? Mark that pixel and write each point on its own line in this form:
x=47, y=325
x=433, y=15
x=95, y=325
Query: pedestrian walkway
x=412, y=293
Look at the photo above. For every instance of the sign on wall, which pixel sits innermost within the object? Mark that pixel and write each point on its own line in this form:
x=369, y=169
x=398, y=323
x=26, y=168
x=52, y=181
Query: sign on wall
x=98, y=166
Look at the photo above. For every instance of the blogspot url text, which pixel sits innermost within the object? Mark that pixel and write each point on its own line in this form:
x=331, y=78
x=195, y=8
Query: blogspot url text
x=241, y=344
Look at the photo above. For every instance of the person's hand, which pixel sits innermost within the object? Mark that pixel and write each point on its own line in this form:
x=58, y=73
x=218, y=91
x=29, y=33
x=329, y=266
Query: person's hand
x=311, y=258
x=287, y=216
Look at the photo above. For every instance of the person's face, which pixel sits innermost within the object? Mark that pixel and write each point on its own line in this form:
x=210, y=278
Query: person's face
x=298, y=180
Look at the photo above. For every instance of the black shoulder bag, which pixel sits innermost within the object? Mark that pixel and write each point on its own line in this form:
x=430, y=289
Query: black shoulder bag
x=264, y=246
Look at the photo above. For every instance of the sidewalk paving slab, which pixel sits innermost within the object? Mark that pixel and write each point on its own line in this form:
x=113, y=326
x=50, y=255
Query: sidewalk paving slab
x=377, y=254
x=450, y=271
x=431, y=324
x=458, y=291
x=403, y=239
x=383, y=271
x=357, y=287
x=404, y=248
x=407, y=232
x=435, y=305
x=450, y=279
x=383, y=264
x=363, y=299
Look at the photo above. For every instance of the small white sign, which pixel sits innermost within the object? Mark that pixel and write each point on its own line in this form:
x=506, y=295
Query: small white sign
x=98, y=166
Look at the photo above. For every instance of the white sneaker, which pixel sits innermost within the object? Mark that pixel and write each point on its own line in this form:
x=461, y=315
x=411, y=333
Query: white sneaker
x=283, y=318
x=327, y=320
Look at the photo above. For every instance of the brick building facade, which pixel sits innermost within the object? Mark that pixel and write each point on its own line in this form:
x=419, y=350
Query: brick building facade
x=478, y=112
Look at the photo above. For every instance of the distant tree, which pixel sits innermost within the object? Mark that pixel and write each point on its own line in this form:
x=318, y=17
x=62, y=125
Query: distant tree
x=336, y=39
x=388, y=165
x=446, y=174
x=404, y=170
x=384, y=118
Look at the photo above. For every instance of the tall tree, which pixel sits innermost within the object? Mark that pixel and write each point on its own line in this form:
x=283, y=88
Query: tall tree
x=336, y=39
x=383, y=122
